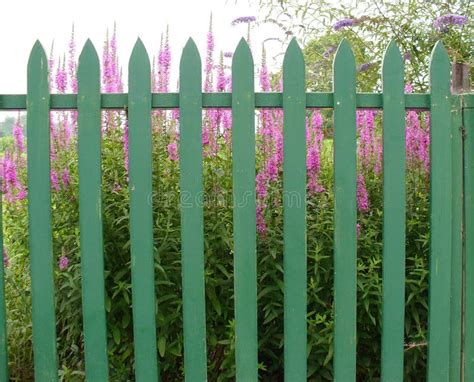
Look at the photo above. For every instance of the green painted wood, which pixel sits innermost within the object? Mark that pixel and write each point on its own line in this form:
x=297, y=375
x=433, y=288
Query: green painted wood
x=3, y=311
x=457, y=243
x=245, y=239
x=192, y=220
x=222, y=100
x=468, y=329
x=90, y=215
x=39, y=217
x=440, y=217
x=345, y=215
x=394, y=210
x=468, y=100
x=294, y=213
x=141, y=214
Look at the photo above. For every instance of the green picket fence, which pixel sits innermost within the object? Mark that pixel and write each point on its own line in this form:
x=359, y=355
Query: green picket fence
x=451, y=276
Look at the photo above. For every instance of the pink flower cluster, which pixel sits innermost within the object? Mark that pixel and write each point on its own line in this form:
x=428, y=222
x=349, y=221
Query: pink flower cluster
x=111, y=72
x=217, y=122
x=369, y=152
x=161, y=73
x=417, y=137
x=10, y=165
x=270, y=141
x=314, y=142
x=369, y=148
x=63, y=263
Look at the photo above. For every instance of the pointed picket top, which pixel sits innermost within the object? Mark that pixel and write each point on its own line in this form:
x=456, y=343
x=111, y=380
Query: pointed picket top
x=37, y=72
x=293, y=55
x=88, y=60
x=242, y=55
x=392, y=66
x=344, y=55
x=294, y=81
x=37, y=59
x=392, y=56
x=440, y=67
x=190, y=56
x=139, y=59
x=439, y=56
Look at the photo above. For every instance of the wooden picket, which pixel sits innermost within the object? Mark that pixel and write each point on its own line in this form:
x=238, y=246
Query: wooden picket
x=393, y=315
x=468, y=298
x=451, y=267
x=294, y=213
x=192, y=221
x=345, y=214
x=141, y=215
x=440, y=217
x=245, y=235
x=39, y=217
x=90, y=203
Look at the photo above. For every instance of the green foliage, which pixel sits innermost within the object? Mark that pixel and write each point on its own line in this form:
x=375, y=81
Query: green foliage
x=219, y=271
x=6, y=125
x=376, y=23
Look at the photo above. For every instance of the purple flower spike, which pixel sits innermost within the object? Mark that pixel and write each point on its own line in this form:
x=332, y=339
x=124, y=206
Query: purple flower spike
x=18, y=137
x=329, y=51
x=6, y=260
x=364, y=67
x=72, y=62
x=443, y=22
x=244, y=20
x=61, y=78
x=362, y=195
x=117, y=188
x=343, y=23
x=228, y=54
x=173, y=151
x=65, y=177
x=54, y=181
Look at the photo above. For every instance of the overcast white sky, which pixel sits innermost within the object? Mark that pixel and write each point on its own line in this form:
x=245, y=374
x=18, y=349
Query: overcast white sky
x=24, y=21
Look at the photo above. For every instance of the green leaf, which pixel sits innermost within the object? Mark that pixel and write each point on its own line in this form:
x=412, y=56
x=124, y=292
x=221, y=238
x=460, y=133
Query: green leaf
x=162, y=346
x=116, y=335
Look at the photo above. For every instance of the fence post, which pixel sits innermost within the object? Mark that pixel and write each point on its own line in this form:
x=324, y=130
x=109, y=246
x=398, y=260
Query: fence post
x=461, y=84
x=460, y=78
x=457, y=85
x=441, y=196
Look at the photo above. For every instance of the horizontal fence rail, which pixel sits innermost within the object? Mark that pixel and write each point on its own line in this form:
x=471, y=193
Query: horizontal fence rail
x=451, y=188
x=224, y=100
